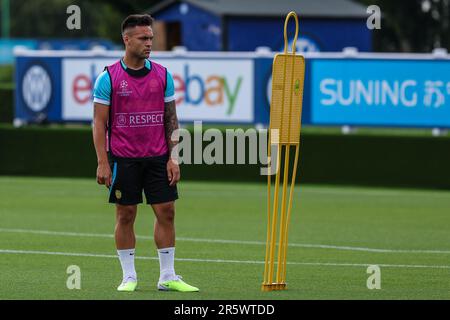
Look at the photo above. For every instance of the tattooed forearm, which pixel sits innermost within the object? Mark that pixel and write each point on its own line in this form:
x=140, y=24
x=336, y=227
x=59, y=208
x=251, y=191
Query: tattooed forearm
x=170, y=125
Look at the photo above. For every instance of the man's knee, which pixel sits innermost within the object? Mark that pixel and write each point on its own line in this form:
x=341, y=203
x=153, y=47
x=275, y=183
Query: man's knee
x=126, y=214
x=166, y=213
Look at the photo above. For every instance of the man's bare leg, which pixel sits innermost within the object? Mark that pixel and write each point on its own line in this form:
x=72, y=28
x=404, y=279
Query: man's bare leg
x=126, y=243
x=124, y=232
x=164, y=235
x=164, y=230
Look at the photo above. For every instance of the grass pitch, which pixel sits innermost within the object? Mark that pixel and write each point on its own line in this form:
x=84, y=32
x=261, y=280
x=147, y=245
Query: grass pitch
x=335, y=234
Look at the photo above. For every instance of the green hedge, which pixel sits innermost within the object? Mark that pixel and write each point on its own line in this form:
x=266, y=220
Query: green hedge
x=404, y=161
x=6, y=102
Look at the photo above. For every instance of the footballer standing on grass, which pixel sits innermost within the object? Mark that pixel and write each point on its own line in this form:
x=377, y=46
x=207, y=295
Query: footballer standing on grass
x=134, y=118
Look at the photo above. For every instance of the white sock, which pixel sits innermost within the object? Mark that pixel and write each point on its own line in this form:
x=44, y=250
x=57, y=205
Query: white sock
x=126, y=258
x=166, y=262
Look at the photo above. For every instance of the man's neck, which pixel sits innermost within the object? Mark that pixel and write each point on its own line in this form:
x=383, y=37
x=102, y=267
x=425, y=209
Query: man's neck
x=133, y=63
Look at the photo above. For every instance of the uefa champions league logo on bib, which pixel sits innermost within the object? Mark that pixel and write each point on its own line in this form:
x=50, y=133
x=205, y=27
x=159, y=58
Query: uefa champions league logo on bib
x=123, y=92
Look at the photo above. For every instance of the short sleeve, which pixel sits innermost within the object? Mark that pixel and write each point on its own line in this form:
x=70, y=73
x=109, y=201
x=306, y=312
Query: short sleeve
x=102, y=89
x=169, y=94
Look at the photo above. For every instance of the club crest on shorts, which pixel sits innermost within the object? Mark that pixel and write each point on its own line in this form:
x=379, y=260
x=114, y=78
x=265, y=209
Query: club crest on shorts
x=118, y=194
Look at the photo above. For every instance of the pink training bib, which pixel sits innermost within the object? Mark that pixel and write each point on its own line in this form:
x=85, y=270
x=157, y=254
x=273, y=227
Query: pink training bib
x=136, y=117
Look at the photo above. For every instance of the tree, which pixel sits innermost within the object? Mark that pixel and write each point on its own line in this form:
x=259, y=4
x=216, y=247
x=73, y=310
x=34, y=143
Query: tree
x=47, y=18
x=412, y=25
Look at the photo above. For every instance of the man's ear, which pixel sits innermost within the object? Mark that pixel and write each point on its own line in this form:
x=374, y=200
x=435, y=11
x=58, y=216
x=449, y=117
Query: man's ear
x=125, y=38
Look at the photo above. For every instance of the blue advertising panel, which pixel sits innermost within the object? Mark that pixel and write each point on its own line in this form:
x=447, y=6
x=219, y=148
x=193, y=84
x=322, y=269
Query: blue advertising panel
x=38, y=88
x=379, y=92
x=263, y=80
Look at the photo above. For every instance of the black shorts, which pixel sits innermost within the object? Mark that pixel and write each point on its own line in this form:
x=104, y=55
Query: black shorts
x=130, y=177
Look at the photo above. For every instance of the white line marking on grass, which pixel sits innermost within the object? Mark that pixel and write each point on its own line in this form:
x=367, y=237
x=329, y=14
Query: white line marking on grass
x=241, y=242
x=344, y=191
x=376, y=193
x=59, y=233
x=320, y=246
x=332, y=264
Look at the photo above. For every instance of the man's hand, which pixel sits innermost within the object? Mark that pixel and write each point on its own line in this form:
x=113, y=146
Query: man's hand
x=173, y=172
x=104, y=174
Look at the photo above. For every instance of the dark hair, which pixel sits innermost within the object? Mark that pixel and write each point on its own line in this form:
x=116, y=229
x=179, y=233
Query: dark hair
x=137, y=20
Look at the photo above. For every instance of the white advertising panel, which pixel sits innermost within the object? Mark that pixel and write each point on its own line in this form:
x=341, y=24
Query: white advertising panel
x=217, y=90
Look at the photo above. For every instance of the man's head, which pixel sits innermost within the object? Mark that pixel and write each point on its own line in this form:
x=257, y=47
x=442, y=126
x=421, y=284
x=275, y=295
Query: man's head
x=137, y=35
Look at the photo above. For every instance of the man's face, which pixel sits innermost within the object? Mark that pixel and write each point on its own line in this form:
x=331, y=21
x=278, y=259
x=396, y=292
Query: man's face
x=138, y=41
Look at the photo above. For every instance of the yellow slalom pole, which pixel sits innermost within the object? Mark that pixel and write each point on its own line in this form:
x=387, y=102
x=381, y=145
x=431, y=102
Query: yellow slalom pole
x=277, y=179
x=283, y=213
x=291, y=195
x=283, y=224
x=269, y=182
x=291, y=14
x=273, y=236
x=287, y=83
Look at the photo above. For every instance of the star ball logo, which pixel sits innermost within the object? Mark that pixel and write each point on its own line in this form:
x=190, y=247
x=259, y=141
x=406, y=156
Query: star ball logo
x=124, y=89
x=36, y=88
x=123, y=85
